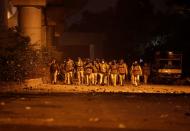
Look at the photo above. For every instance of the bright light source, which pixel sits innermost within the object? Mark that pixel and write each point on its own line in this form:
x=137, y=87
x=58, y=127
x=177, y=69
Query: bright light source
x=170, y=53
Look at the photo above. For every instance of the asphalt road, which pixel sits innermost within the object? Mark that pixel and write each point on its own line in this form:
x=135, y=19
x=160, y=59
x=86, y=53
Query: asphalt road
x=94, y=111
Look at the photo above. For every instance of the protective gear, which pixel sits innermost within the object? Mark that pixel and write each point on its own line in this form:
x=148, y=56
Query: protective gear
x=146, y=72
x=53, y=71
x=69, y=71
x=103, y=61
x=123, y=71
x=62, y=72
x=95, y=73
x=113, y=73
x=80, y=71
x=103, y=73
x=136, y=72
x=88, y=73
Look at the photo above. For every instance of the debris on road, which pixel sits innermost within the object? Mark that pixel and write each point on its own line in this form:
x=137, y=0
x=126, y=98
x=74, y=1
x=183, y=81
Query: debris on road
x=49, y=120
x=60, y=88
x=178, y=106
x=47, y=102
x=27, y=107
x=2, y=103
x=95, y=119
x=22, y=98
x=121, y=125
x=163, y=115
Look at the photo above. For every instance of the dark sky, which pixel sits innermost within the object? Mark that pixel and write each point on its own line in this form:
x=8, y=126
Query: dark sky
x=97, y=6
x=131, y=24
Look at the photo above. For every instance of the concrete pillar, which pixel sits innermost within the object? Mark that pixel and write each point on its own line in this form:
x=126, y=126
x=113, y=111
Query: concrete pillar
x=30, y=19
x=3, y=14
x=30, y=24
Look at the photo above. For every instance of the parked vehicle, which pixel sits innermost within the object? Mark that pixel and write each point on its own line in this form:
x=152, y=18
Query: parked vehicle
x=167, y=67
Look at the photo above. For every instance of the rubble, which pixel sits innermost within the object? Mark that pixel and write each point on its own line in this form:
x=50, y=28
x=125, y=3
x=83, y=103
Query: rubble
x=121, y=125
x=94, y=119
x=163, y=115
x=49, y=120
x=34, y=83
x=2, y=103
x=27, y=107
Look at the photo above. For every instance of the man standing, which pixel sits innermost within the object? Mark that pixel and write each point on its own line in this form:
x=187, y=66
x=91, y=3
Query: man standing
x=95, y=72
x=136, y=72
x=69, y=71
x=53, y=71
x=122, y=70
x=80, y=71
x=103, y=73
x=113, y=72
x=88, y=72
x=62, y=71
x=146, y=72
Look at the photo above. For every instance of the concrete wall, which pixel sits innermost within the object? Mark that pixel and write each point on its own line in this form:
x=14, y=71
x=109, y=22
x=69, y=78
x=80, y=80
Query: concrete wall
x=81, y=44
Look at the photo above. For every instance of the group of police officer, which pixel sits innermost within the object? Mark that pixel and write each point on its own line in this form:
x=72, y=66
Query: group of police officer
x=97, y=72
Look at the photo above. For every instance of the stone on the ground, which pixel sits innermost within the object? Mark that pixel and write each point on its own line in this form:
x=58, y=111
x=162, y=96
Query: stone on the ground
x=33, y=82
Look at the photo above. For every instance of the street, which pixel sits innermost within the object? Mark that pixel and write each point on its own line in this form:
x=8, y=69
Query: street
x=94, y=111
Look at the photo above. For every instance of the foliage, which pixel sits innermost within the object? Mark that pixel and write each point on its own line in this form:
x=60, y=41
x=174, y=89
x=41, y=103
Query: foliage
x=19, y=61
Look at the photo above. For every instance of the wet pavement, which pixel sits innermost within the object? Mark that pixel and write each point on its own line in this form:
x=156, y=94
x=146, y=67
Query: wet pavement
x=94, y=111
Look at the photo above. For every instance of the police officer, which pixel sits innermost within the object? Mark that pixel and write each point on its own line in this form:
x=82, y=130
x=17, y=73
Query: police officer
x=113, y=72
x=69, y=67
x=62, y=71
x=136, y=72
x=95, y=72
x=88, y=72
x=103, y=72
x=80, y=70
x=146, y=72
x=53, y=71
x=123, y=71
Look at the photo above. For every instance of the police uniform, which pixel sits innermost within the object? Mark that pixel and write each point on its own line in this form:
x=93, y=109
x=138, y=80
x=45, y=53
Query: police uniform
x=103, y=73
x=146, y=72
x=62, y=72
x=95, y=73
x=69, y=71
x=53, y=72
x=136, y=72
x=113, y=73
x=88, y=73
x=80, y=71
x=122, y=70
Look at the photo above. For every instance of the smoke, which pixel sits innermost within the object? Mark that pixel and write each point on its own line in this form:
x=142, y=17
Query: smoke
x=159, y=6
x=96, y=6
x=92, y=6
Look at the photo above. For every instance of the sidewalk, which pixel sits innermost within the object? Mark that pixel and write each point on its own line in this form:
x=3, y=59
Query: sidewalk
x=59, y=88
